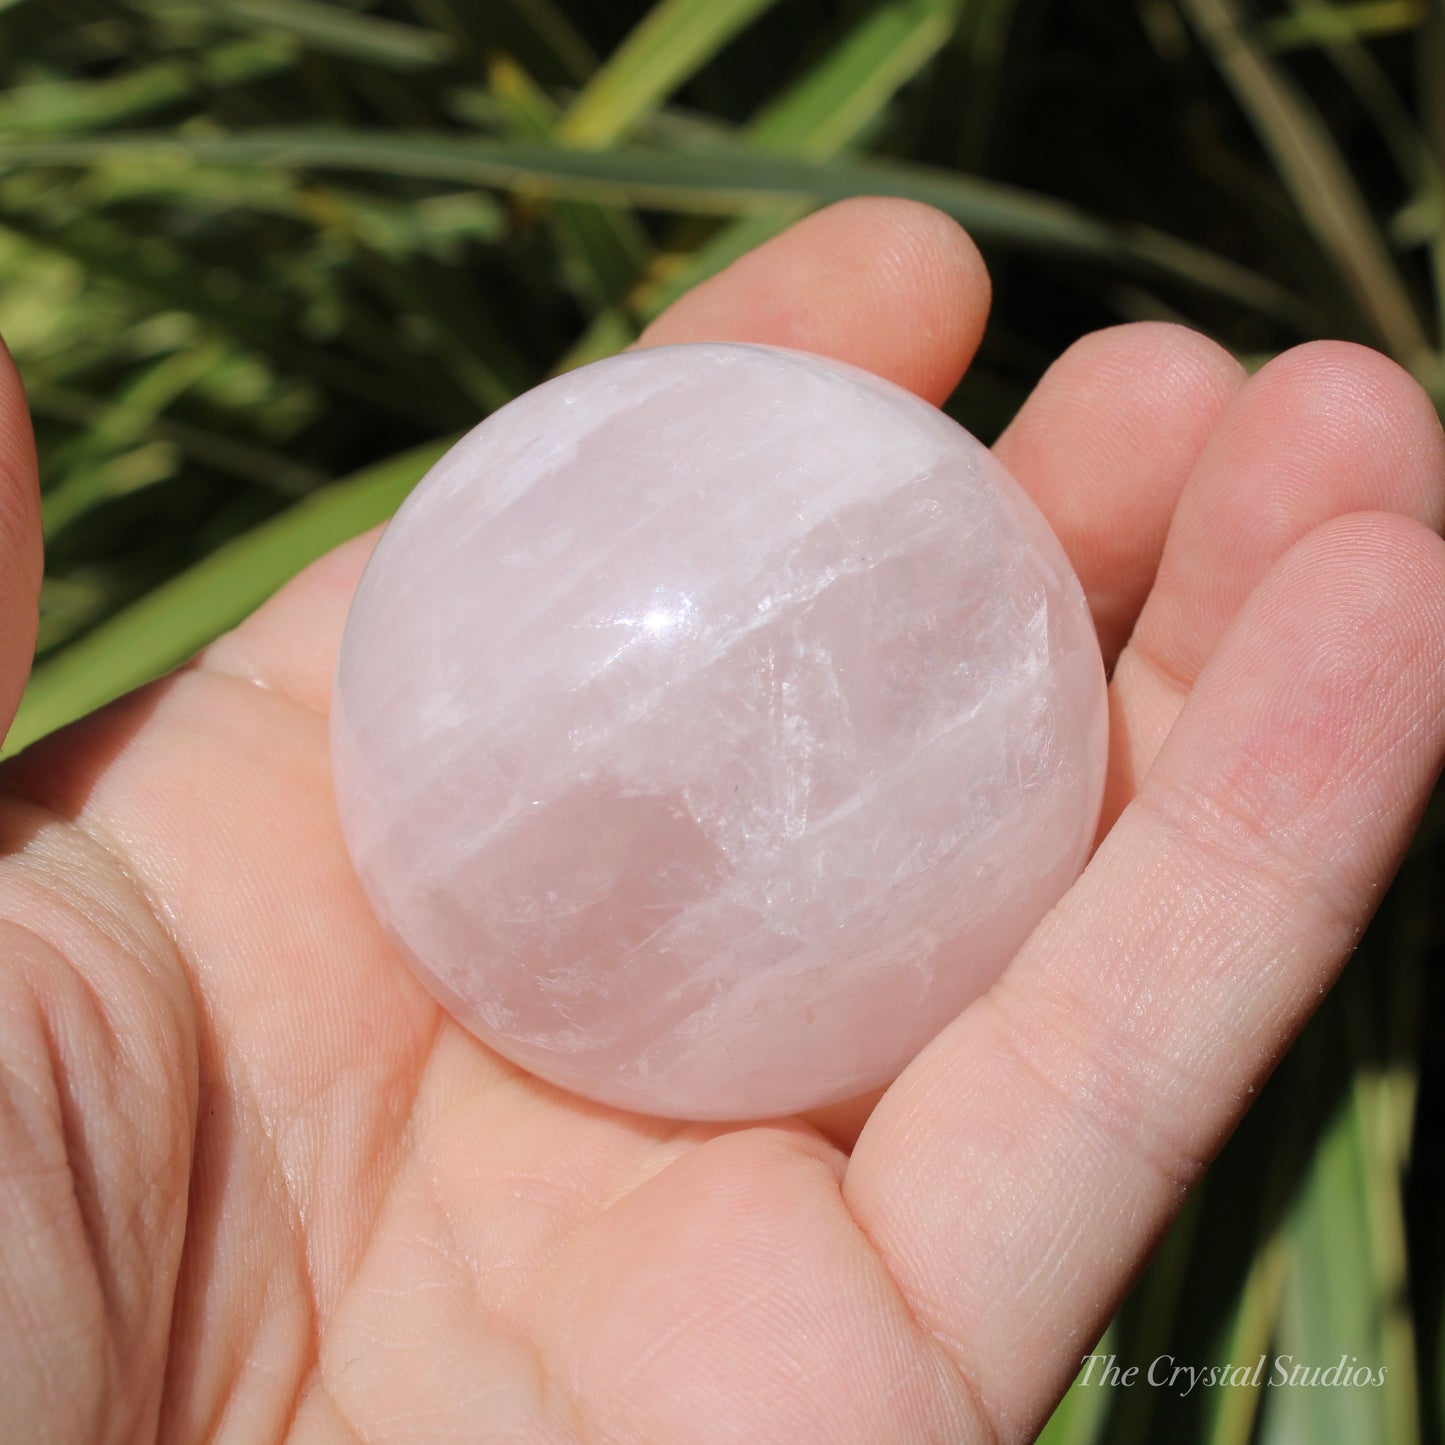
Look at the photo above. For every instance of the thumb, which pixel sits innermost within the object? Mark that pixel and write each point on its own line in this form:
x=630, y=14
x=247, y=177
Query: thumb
x=20, y=540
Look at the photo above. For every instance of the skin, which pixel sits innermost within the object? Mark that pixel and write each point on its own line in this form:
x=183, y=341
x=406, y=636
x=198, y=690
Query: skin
x=256, y=1184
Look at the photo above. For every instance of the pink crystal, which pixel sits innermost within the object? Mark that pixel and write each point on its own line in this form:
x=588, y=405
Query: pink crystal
x=712, y=725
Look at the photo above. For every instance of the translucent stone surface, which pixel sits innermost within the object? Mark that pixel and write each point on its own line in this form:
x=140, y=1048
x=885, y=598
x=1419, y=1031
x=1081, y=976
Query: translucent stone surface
x=712, y=725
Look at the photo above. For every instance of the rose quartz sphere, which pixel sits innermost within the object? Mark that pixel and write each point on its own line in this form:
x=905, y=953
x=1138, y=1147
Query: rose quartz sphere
x=713, y=723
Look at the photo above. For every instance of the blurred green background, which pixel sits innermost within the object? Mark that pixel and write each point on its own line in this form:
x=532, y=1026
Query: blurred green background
x=261, y=259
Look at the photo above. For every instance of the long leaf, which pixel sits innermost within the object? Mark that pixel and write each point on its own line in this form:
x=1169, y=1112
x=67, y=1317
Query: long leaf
x=51, y=107
x=157, y=272
x=1249, y=1329
x=1385, y=1059
x=1332, y=1297
x=327, y=28
x=261, y=466
x=126, y=423
x=171, y=623
x=1408, y=142
x=1083, y=1413
x=537, y=33
x=1318, y=178
x=603, y=248
x=848, y=88
x=840, y=96
x=1430, y=71
x=1326, y=22
x=675, y=39
x=731, y=182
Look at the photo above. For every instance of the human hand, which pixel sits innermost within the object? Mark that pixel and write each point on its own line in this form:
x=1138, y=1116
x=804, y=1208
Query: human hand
x=253, y=1182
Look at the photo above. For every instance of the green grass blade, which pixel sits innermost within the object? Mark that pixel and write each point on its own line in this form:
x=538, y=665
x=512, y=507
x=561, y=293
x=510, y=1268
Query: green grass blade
x=472, y=352
x=1325, y=23
x=53, y=107
x=535, y=33
x=1231, y=1410
x=849, y=88
x=675, y=40
x=260, y=466
x=80, y=471
x=1430, y=70
x=158, y=273
x=1325, y=1295
x=327, y=28
x=1152, y=1310
x=1333, y=1298
x=731, y=182
x=1385, y=1063
x=603, y=249
x=1318, y=178
x=171, y=623
x=1423, y=170
x=1374, y=1099
x=1249, y=1329
x=844, y=93
x=984, y=40
x=549, y=23
x=1082, y=1416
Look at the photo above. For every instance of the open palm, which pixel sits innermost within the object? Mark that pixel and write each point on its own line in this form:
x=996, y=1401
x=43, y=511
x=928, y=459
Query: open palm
x=253, y=1182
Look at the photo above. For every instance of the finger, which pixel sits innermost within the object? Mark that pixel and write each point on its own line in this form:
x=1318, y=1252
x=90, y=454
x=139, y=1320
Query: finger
x=1104, y=446
x=889, y=285
x=21, y=560
x=1324, y=430
x=1020, y=1171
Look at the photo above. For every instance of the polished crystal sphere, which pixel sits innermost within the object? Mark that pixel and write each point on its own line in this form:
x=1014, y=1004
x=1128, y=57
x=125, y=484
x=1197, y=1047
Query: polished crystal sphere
x=713, y=723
